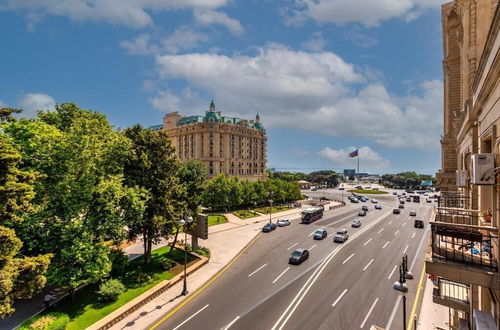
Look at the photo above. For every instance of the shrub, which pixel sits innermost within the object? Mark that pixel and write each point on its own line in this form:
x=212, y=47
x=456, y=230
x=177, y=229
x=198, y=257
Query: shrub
x=204, y=251
x=137, y=276
x=119, y=262
x=50, y=321
x=110, y=290
x=167, y=263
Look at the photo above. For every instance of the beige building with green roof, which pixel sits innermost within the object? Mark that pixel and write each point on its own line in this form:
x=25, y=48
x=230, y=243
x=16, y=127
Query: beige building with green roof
x=234, y=146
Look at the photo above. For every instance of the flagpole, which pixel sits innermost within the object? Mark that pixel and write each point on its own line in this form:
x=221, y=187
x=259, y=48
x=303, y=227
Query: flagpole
x=358, y=163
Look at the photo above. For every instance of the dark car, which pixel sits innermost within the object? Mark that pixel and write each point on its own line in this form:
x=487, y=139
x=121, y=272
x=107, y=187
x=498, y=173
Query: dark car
x=298, y=256
x=270, y=226
x=364, y=208
x=362, y=213
x=394, y=193
x=413, y=214
x=396, y=211
x=419, y=224
x=401, y=206
x=320, y=234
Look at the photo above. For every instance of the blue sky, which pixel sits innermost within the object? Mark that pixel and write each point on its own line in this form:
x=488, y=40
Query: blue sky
x=325, y=75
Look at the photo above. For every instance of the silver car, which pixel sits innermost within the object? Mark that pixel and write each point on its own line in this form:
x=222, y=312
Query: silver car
x=341, y=236
x=283, y=222
x=356, y=223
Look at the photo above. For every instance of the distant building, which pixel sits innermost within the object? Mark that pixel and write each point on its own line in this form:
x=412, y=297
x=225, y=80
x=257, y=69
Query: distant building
x=304, y=185
x=234, y=146
x=349, y=172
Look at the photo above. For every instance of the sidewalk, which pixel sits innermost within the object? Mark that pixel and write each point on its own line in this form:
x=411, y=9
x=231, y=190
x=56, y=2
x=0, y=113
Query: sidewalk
x=237, y=231
x=432, y=316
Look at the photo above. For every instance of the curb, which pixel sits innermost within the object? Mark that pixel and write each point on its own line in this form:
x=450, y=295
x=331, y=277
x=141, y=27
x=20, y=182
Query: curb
x=116, y=316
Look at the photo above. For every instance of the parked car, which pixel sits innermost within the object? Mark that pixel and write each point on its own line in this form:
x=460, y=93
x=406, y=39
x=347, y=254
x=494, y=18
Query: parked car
x=320, y=234
x=299, y=256
x=419, y=224
x=361, y=213
x=356, y=223
x=270, y=226
x=283, y=222
x=374, y=201
x=413, y=214
x=401, y=206
x=378, y=207
x=341, y=236
x=396, y=211
x=364, y=208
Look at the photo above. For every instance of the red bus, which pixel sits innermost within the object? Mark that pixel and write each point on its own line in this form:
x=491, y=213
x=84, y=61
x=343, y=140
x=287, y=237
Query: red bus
x=312, y=214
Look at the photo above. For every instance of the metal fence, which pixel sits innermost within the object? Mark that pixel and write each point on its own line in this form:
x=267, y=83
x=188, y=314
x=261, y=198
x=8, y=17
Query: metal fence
x=470, y=245
x=454, y=200
x=448, y=289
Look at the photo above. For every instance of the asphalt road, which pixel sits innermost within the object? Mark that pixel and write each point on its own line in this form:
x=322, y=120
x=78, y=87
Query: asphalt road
x=341, y=286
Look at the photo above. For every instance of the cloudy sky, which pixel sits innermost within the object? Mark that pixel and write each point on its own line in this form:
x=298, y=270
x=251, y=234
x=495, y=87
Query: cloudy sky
x=326, y=76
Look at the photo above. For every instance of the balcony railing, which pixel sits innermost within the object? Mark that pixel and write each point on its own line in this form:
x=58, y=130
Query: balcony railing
x=447, y=289
x=470, y=245
x=454, y=200
x=457, y=216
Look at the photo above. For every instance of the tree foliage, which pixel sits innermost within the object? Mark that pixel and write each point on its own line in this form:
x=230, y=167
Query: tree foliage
x=406, y=180
x=152, y=166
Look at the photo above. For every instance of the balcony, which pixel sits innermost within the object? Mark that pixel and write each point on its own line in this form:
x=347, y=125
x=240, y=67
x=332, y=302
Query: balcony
x=452, y=294
x=454, y=200
x=464, y=253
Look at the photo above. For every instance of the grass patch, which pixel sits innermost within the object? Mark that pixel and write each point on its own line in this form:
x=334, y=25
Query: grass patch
x=216, y=220
x=86, y=309
x=368, y=191
x=274, y=209
x=244, y=214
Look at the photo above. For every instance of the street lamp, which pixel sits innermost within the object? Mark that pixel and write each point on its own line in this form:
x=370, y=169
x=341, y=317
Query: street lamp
x=400, y=284
x=270, y=209
x=185, y=223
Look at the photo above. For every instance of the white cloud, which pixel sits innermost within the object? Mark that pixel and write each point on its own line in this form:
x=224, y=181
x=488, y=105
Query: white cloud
x=316, y=43
x=167, y=101
x=366, y=12
x=313, y=91
x=132, y=13
x=369, y=159
x=208, y=17
x=182, y=38
x=32, y=102
x=360, y=39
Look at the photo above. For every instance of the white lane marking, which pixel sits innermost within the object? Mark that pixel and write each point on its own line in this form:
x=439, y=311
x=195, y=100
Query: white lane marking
x=390, y=222
x=231, y=323
x=292, y=246
x=331, y=234
x=406, y=248
x=340, y=297
x=383, y=247
x=312, y=247
x=413, y=236
x=255, y=271
x=368, y=264
x=368, y=241
x=349, y=257
x=277, y=278
x=396, y=232
x=378, y=232
x=283, y=319
x=390, y=275
x=396, y=306
x=189, y=318
x=404, y=224
x=312, y=233
x=368, y=315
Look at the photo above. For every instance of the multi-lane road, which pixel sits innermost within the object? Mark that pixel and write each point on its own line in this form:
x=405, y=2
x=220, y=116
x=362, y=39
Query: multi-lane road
x=341, y=286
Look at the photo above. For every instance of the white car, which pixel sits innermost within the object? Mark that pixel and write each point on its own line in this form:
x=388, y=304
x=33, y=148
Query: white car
x=283, y=222
x=374, y=201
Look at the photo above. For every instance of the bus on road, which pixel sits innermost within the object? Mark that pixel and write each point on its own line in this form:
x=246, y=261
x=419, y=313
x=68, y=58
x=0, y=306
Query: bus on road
x=311, y=214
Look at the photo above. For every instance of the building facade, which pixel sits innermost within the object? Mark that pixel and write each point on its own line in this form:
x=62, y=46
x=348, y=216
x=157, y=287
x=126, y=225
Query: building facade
x=463, y=255
x=233, y=146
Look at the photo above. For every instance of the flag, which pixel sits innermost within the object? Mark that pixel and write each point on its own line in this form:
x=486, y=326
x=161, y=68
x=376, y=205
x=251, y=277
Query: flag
x=354, y=153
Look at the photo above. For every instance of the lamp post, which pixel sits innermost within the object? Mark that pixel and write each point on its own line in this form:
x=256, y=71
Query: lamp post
x=270, y=209
x=185, y=224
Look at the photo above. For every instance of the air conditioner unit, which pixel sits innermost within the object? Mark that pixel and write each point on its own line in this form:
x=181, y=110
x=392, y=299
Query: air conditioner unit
x=461, y=177
x=483, y=172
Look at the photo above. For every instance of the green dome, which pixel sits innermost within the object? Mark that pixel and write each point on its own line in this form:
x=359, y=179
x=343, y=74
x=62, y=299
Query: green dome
x=211, y=117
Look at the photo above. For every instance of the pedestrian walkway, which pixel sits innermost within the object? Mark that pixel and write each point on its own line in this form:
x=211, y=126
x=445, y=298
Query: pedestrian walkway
x=432, y=316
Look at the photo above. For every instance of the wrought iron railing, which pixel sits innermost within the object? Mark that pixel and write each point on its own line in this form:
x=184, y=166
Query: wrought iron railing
x=454, y=200
x=448, y=289
x=471, y=245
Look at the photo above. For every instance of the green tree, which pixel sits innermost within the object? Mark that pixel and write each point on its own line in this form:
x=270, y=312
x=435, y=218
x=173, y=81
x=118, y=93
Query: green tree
x=217, y=193
x=20, y=277
x=192, y=176
x=153, y=166
x=6, y=114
